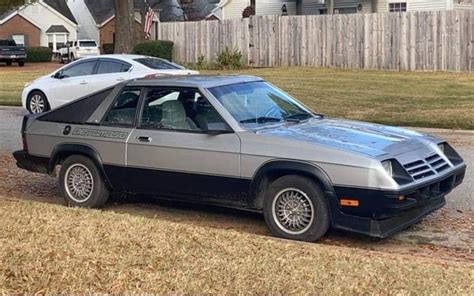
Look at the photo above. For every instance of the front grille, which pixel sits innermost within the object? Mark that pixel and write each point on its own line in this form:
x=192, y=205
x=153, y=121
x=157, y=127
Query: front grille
x=427, y=167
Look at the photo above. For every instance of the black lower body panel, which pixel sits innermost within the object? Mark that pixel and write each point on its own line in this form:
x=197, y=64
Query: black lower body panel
x=31, y=163
x=383, y=213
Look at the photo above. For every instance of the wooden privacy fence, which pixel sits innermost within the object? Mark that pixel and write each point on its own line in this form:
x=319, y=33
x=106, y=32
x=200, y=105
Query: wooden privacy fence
x=436, y=40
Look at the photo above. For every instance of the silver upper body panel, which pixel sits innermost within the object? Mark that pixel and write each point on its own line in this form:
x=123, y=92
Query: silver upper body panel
x=348, y=152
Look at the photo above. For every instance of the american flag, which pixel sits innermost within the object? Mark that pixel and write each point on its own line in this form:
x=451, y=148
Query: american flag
x=149, y=16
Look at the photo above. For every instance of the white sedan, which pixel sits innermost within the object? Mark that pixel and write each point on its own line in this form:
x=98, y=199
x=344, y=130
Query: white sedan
x=92, y=74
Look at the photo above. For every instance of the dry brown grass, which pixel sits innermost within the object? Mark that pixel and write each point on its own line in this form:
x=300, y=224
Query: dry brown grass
x=50, y=249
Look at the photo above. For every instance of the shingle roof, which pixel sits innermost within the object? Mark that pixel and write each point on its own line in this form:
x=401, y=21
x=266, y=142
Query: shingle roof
x=57, y=29
x=61, y=7
x=58, y=5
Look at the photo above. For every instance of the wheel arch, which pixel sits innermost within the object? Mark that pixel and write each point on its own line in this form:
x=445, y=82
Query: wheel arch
x=274, y=169
x=63, y=151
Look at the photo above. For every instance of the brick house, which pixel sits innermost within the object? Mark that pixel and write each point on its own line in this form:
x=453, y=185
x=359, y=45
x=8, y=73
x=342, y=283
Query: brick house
x=43, y=23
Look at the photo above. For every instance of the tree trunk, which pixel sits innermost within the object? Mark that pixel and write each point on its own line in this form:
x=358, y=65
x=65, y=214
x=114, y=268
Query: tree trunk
x=124, y=26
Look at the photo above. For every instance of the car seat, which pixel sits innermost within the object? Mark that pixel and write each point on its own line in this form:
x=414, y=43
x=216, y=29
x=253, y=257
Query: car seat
x=174, y=116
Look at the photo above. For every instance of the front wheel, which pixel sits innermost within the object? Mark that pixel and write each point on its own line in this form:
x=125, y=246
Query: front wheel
x=81, y=183
x=21, y=63
x=9, y=63
x=296, y=208
x=37, y=102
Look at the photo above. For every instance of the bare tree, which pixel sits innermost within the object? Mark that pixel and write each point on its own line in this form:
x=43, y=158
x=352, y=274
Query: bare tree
x=124, y=26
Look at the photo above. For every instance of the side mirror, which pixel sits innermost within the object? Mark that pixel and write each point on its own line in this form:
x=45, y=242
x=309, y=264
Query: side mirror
x=58, y=75
x=217, y=129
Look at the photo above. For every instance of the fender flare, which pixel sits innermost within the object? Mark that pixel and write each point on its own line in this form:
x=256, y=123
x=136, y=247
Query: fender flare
x=293, y=167
x=77, y=149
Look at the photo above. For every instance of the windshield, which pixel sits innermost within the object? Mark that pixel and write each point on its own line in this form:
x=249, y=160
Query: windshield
x=158, y=64
x=256, y=104
x=87, y=44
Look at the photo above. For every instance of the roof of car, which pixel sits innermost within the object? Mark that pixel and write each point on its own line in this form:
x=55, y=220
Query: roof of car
x=205, y=81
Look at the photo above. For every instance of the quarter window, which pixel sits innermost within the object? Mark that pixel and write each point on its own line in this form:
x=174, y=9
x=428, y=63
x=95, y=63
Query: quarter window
x=397, y=7
x=124, y=108
x=81, y=69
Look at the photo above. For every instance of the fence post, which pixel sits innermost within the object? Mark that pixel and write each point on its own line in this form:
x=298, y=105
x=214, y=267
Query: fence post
x=252, y=46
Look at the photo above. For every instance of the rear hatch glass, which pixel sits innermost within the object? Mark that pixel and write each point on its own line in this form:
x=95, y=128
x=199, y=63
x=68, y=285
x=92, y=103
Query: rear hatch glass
x=158, y=64
x=87, y=44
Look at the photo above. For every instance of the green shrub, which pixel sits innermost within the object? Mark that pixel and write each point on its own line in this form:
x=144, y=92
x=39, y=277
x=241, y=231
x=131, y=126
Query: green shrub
x=38, y=54
x=230, y=59
x=108, y=48
x=159, y=48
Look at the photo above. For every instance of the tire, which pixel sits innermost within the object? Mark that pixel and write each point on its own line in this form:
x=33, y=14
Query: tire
x=309, y=198
x=37, y=102
x=93, y=193
x=72, y=58
x=21, y=64
x=9, y=63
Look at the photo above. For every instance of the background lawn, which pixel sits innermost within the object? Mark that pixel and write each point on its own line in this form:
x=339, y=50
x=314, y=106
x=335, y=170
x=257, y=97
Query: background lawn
x=443, y=100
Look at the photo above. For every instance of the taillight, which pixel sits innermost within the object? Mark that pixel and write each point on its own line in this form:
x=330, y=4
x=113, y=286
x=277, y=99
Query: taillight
x=25, y=144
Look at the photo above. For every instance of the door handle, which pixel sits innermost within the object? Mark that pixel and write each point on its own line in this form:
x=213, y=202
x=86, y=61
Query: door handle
x=83, y=82
x=144, y=139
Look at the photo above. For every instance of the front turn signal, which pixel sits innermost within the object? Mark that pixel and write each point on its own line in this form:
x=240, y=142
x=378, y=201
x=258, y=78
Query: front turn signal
x=349, y=202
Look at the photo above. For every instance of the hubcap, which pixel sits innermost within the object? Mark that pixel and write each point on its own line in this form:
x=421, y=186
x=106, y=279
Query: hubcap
x=293, y=211
x=37, y=104
x=79, y=183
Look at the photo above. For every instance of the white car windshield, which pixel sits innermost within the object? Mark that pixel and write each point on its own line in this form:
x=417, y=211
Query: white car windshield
x=256, y=104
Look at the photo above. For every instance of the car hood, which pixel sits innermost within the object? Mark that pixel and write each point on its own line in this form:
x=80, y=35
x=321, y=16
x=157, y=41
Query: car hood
x=370, y=139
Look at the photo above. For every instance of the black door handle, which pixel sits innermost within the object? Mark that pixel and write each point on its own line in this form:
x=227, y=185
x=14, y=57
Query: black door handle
x=144, y=139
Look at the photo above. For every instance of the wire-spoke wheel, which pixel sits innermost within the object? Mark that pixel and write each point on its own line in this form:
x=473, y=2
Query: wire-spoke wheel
x=79, y=183
x=293, y=211
x=37, y=103
x=296, y=208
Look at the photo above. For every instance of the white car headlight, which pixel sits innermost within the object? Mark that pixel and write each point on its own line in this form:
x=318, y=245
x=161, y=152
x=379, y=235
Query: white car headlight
x=387, y=165
x=28, y=84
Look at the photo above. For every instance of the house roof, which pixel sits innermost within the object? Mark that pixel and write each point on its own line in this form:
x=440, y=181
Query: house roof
x=58, y=5
x=57, y=29
x=61, y=7
x=101, y=10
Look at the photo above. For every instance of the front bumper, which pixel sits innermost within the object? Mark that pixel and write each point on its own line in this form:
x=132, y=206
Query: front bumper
x=31, y=163
x=382, y=213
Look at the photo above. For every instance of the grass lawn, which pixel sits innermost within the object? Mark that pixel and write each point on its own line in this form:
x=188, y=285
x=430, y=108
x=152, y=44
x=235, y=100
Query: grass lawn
x=51, y=249
x=444, y=100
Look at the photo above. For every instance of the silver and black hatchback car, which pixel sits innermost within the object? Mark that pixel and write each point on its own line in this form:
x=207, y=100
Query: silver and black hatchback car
x=239, y=141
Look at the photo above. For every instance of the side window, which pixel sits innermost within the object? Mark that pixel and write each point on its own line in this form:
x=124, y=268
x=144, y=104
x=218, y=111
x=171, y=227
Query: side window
x=106, y=67
x=124, y=108
x=178, y=109
x=81, y=69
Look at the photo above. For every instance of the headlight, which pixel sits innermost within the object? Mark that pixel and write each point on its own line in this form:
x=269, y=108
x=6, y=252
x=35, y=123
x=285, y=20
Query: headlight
x=28, y=84
x=441, y=147
x=387, y=165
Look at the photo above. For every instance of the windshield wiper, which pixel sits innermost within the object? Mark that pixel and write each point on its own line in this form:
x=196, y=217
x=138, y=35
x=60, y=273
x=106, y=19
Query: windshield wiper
x=297, y=117
x=261, y=119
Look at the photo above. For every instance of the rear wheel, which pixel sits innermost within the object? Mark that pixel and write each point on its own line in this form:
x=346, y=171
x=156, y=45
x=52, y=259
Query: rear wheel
x=81, y=184
x=37, y=102
x=296, y=208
